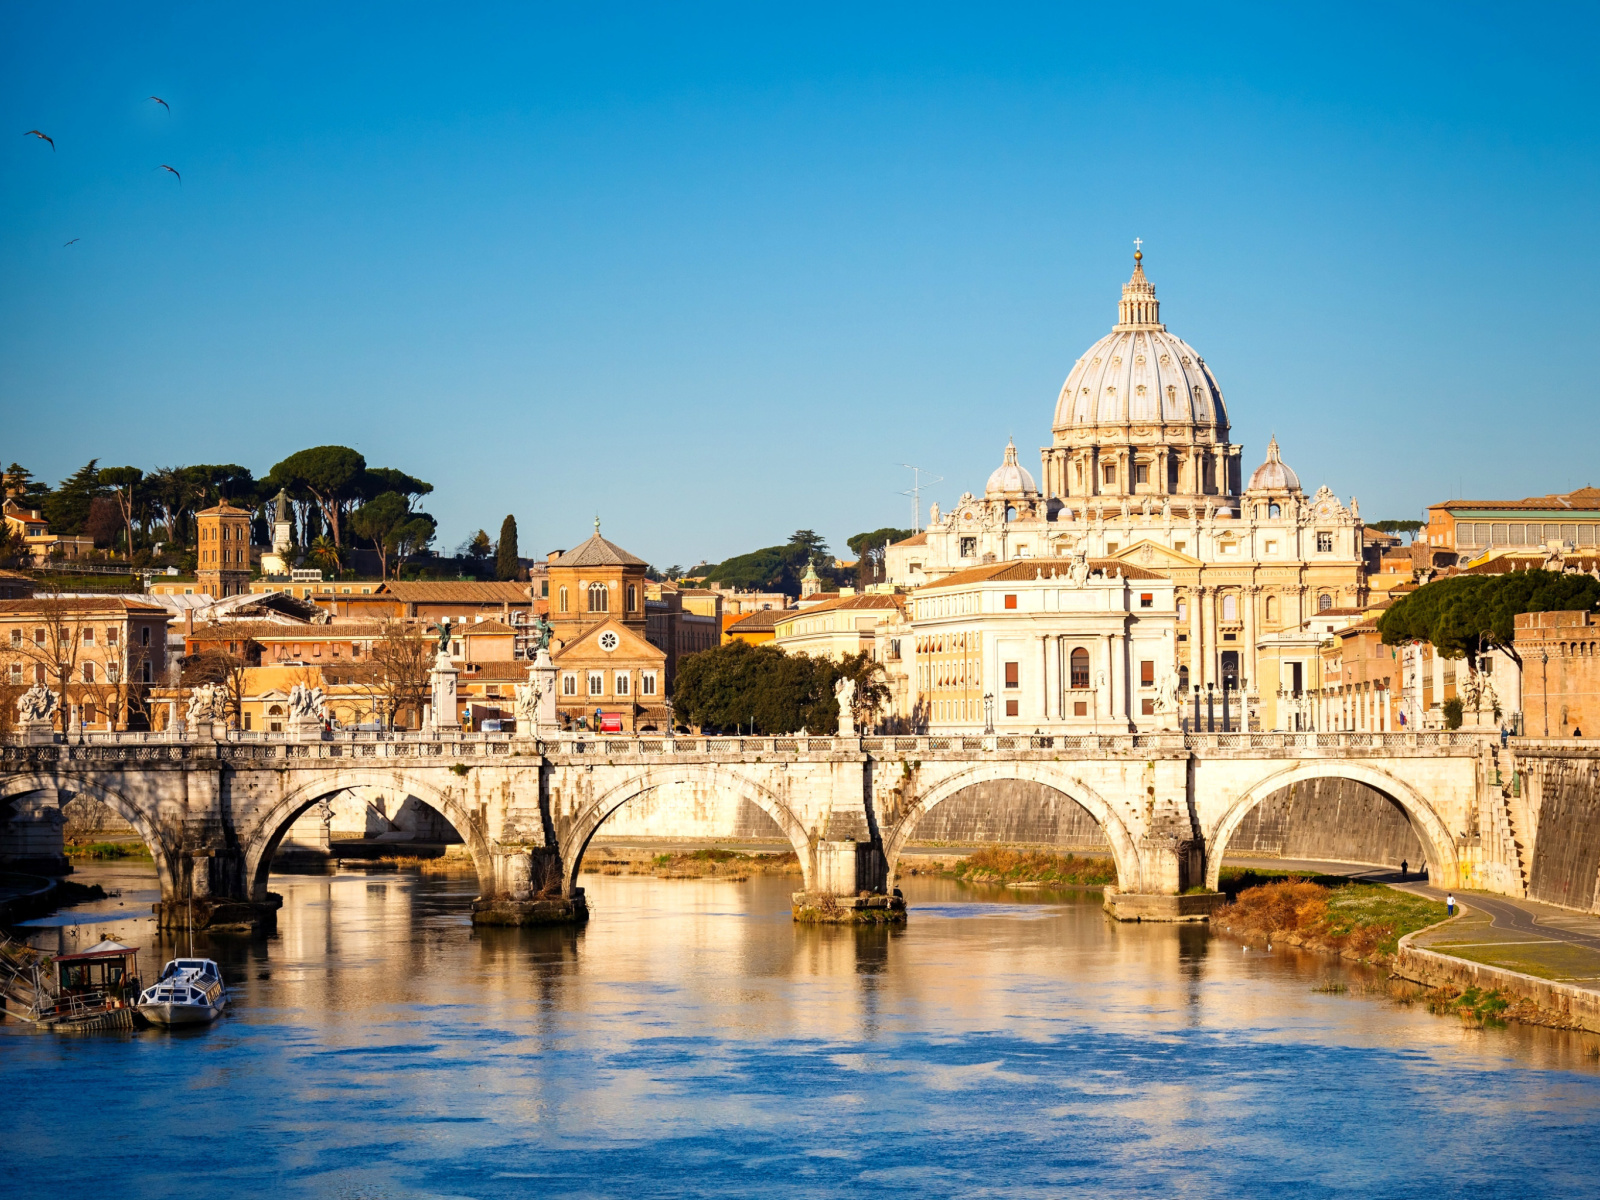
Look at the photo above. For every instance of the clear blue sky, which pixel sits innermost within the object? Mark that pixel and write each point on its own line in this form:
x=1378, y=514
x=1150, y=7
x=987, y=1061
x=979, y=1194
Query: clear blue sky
x=716, y=272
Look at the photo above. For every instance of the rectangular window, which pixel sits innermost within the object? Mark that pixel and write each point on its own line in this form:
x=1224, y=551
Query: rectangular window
x=1011, y=708
x=647, y=683
x=247, y=720
x=16, y=638
x=111, y=635
x=1111, y=547
x=1183, y=610
x=88, y=635
x=1517, y=535
x=1109, y=473
x=1080, y=708
x=144, y=672
x=1272, y=547
x=1147, y=600
x=1179, y=546
x=1011, y=601
x=1147, y=708
x=1141, y=474
x=1011, y=675
x=1147, y=673
x=16, y=674
x=969, y=547
x=622, y=684
x=597, y=683
x=1324, y=543
x=569, y=684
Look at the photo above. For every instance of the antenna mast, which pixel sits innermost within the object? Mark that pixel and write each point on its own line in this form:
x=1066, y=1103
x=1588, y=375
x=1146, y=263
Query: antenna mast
x=915, y=492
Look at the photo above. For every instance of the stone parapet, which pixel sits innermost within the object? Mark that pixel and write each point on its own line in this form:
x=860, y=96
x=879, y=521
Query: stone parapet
x=1580, y=1005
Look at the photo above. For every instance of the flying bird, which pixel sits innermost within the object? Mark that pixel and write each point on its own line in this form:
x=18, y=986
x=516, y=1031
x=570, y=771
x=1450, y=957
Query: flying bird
x=174, y=170
x=162, y=102
x=45, y=136
x=64, y=245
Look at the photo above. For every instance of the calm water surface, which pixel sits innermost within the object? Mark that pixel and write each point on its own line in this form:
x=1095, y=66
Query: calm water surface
x=693, y=1041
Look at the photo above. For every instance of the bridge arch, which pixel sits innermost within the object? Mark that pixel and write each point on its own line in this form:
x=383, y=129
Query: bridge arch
x=1437, y=844
x=166, y=865
x=1124, y=852
x=593, y=814
x=268, y=829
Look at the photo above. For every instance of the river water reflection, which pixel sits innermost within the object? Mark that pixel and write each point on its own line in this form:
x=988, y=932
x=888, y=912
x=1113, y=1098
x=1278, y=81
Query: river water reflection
x=693, y=1041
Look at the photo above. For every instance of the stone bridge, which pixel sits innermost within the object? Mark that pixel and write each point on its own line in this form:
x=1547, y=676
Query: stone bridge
x=214, y=810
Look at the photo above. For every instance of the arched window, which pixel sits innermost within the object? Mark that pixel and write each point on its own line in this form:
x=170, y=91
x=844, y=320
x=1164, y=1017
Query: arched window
x=1324, y=602
x=1080, y=668
x=563, y=600
x=1272, y=608
x=1230, y=607
x=633, y=598
x=1183, y=680
x=1273, y=512
x=598, y=597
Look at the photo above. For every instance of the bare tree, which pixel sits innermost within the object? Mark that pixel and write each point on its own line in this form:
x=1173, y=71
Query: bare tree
x=49, y=646
x=401, y=658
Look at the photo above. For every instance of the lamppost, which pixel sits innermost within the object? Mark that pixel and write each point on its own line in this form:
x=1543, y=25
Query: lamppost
x=988, y=712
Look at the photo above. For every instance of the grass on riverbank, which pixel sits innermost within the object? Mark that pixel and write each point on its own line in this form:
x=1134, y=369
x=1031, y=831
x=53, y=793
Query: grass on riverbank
x=107, y=850
x=1357, y=920
x=995, y=864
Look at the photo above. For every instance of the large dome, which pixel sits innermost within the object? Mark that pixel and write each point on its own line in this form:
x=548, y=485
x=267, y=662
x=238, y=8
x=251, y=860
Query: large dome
x=1141, y=374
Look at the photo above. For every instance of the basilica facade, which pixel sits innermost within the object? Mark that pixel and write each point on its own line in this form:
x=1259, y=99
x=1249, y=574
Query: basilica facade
x=1141, y=470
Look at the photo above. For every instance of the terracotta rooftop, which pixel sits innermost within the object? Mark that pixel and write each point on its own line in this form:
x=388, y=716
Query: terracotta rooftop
x=763, y=618
x=597, y=552
x=1583, y=499
x=453, y=591
x=1027, y=570
x=80, y=604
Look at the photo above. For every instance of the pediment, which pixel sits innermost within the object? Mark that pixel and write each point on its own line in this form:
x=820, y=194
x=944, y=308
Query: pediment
x=588, y=648
x=1154, y=557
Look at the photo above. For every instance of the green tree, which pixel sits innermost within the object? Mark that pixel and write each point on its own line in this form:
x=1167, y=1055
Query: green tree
x=1406, y=527
x=333, y=475
x=1466, y=615
x=124, y=483
x=379, y=480
x=476, y=550
x=412, y=537
x=762, y=689
x=506, y=564
x=871, y=565
x=67, y=508
x=325, y=553
x=21, y=486
x=377, y=521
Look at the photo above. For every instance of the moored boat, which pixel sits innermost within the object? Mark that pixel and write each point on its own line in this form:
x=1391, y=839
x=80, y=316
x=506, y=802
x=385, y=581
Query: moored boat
x=189, y=992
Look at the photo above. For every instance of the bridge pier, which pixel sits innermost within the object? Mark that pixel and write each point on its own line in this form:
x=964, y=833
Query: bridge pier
x=209, y=890
x=527, y=889
x=848, y=887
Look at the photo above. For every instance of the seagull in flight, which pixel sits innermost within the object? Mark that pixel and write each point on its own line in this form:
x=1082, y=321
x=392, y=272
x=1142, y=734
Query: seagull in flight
x=45, y=136
x=64, y=245
x=162, y=102
x=174, y=170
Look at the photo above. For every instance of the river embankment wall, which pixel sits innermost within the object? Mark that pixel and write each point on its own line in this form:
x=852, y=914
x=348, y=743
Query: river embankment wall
x=1339, y=819
x=1578, y=1005
x=1566, y=854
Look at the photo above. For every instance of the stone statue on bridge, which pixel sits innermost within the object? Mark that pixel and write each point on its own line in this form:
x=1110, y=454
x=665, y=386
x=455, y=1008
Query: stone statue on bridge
x=307, y=704
x=844, y=691
x=528, y=697
x=37, y=704
x=206, y=703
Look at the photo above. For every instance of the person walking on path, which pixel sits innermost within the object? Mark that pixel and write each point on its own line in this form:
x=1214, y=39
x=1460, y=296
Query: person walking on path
x=1403, y=871
x=1450, y=903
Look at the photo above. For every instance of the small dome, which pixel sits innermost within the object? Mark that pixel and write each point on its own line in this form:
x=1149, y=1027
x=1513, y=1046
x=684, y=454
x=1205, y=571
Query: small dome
x=1010, y=479
x=1274, y=474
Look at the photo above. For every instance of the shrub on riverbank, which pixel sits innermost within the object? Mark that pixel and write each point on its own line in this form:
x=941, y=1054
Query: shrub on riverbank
x=107, y=850
x=1357, y=920
x=995, y=864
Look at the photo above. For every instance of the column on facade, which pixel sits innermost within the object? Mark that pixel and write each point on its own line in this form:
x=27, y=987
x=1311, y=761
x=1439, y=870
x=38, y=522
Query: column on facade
x=1197, y=671
x=1045, y=673
x=1213, y=634
x=1111, y=678
x=1159, y=466
x=1093, y=462
x=1121, y=689
x=1247, y=660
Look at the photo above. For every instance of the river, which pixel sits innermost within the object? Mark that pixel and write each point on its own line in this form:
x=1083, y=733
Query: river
x=693, y=1041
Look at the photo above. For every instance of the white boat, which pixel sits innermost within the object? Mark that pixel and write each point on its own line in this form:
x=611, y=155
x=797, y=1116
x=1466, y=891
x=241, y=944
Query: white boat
x=189, y=992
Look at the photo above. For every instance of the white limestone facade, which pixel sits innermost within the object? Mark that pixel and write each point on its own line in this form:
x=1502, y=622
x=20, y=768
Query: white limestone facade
x=1141, y=470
